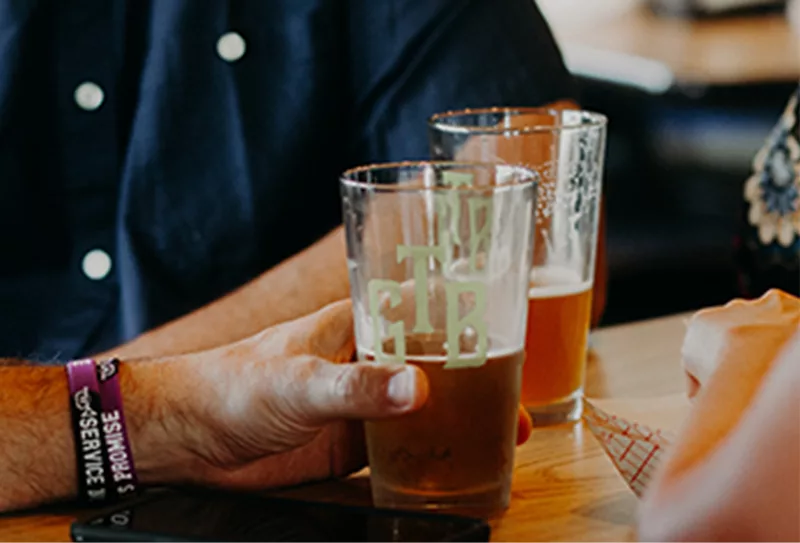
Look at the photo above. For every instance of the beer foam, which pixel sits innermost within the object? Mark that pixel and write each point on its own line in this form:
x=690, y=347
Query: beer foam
x=555, y=281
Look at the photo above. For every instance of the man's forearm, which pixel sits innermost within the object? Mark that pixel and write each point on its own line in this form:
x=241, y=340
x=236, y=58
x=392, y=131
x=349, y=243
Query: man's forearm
x=37, y=450
x=296, y=287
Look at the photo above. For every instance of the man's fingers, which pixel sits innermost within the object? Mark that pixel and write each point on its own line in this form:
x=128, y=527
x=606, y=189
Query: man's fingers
x=362, y=390
x=524, y=426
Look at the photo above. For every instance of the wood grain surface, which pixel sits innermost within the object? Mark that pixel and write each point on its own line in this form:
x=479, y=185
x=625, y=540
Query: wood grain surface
x=565, y=488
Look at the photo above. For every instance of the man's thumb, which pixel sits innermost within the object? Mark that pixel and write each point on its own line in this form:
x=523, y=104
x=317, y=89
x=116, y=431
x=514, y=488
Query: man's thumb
x=363, y=390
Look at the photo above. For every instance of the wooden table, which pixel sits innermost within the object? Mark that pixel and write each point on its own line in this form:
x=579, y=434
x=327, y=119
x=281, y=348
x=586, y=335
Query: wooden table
x=621, y=41
x=565, y=488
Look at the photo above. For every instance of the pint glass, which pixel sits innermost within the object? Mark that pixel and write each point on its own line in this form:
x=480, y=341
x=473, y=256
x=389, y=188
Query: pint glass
x=439, y=256
x=565, y=148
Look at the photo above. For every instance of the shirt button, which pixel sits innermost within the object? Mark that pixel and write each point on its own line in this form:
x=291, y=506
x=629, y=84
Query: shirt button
x=96, y=264
x=89, y=96
x=231, y=46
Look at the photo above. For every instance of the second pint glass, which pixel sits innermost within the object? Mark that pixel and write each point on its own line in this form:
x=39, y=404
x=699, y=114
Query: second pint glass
x=565, y=147
x=439, y=255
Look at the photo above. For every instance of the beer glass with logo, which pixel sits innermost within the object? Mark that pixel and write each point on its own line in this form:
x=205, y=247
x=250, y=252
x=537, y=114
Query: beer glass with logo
x=439, y=255
x=566, y=149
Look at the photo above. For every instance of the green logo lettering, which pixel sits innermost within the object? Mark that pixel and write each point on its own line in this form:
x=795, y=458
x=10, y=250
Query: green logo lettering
x=395, y=329
x=456, y=324
x=421, y=257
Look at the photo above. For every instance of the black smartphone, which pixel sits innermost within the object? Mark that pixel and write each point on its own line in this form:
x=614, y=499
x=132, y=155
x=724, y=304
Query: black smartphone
x=203, y=515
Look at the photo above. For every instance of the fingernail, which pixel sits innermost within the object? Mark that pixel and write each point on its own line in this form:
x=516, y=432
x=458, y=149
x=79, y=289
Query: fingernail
x=402, y=387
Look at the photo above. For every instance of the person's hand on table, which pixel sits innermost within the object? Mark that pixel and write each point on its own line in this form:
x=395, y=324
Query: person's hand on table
x=279, y=408
x=731, y=472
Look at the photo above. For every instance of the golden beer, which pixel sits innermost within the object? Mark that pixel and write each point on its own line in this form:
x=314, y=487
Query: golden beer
x=559, y=308
x=459, y=448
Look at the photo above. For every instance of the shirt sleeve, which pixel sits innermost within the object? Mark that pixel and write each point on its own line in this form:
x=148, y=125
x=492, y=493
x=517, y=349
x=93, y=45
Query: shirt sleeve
x=410, y=59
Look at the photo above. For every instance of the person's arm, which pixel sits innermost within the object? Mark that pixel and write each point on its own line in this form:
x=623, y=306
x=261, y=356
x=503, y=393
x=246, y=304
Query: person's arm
x=254, y=414
x=748, y=487
x=270, y=410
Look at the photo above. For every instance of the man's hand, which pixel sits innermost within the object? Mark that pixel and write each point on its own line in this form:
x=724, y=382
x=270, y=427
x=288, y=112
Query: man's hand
x=285, y=406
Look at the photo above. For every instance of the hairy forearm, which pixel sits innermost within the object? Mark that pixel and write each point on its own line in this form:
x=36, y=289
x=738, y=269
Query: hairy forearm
x=37, y=451
x=296, y=287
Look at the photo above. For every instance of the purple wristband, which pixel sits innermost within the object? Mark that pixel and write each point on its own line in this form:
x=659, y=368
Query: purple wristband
x=122, y=480
x=85, y=406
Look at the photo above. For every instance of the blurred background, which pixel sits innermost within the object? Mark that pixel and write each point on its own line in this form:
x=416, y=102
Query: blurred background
x=692, y=89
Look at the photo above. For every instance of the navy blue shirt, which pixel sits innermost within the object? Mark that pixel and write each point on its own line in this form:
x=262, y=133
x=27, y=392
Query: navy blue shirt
x=156, y=154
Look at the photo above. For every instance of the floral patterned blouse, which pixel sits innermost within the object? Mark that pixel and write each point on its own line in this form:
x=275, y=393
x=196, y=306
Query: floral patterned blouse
x=770, y=248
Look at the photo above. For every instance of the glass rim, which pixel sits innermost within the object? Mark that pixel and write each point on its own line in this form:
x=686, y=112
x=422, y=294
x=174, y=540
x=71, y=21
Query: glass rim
x=595, y=120
x=346, y=177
